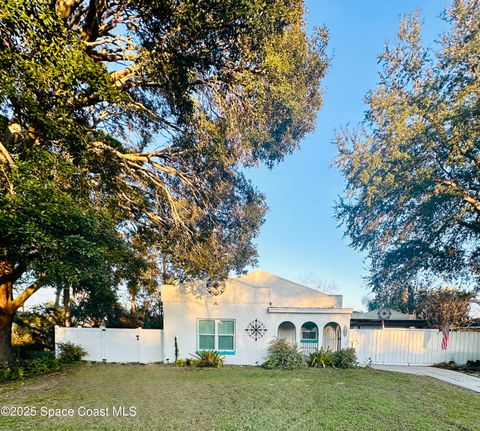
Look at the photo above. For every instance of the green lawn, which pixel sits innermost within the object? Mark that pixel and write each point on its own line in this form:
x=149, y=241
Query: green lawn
x=242, y=398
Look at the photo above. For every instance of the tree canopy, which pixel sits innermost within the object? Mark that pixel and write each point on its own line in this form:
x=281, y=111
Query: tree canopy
x=437, y=305
x=127, y=122
x=412, y=200
x=448, y=305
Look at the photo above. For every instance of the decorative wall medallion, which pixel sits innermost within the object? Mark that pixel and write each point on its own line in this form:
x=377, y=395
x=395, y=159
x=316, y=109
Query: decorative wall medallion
x=256, y=329
x=216, y=287
x=384, y=314
x=345, y=330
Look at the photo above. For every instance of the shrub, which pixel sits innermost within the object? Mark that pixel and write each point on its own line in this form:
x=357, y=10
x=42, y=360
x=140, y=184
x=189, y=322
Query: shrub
x=70, y=352
x=208, y=359
x=43, y=365
x=322, y=358
x=34, y=329
x=451, y=365
x=180, y=362
x=11, y=373
x=345, y=358
x=190, y=362
x=472, y=365
x=283, y=355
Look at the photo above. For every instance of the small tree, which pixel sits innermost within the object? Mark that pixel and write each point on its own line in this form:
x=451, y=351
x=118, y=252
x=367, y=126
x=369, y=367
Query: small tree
x=446, y=305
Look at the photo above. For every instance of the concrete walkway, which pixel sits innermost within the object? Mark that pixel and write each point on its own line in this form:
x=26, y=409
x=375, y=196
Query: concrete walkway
x=449, y=376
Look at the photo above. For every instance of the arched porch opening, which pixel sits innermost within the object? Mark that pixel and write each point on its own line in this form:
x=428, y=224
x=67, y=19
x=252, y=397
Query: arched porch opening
x=309, y=337
x=332, y=336
x=287, y=331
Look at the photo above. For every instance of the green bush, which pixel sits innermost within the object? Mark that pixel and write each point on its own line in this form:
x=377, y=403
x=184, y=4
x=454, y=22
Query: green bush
x=11, y=373
x=451, y=365
x=180, y=363
x=42, y=365
x=345, y=358
x=472, y=365
x=322, y=358
x=283, y=355
x=45, y=364
x=33, y=329
x=70, y=352
x=208, y=359
x=190, y=362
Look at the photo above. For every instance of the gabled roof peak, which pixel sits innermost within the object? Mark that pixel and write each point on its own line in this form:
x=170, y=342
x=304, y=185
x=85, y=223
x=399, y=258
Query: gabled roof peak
x=261, y=278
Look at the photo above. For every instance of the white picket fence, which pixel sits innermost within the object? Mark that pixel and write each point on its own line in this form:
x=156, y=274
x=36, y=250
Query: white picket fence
x=115, y=345
x=398, y=346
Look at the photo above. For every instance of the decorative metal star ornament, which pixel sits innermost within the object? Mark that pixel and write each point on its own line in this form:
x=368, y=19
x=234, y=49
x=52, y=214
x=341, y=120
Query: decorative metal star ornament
x=384, y=314
x=216, y=287
x=256, y=329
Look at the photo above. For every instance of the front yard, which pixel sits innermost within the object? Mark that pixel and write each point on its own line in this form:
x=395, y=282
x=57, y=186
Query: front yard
x=237, y=398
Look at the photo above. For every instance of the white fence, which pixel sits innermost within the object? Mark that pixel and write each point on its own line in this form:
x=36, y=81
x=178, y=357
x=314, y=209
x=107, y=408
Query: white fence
x=115, y=345
x=395, y=346
x=390, y=346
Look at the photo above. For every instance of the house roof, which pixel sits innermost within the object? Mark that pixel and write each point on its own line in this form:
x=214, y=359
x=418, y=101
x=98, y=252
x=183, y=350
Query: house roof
x=256, y=287
x=261, y=278
x=287, y=293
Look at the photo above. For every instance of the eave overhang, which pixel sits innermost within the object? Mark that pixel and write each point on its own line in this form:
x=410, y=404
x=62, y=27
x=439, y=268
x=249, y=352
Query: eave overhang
x=310, y=310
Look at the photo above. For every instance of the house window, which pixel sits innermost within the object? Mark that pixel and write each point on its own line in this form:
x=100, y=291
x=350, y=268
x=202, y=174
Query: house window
x=309, y=331
x=206, y=334
x=216, y=335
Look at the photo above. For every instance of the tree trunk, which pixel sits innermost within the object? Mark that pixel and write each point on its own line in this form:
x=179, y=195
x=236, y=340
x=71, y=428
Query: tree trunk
x=9, y=273
x=58, y=293
x=7, y=311
x=133, y=303
x=66, y=307
x=6, y=352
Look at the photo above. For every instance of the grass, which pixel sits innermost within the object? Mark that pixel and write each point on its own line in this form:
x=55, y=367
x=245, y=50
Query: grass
x=242, y=398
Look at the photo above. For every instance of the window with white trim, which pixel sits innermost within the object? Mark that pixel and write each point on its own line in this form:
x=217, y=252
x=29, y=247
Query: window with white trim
x=216, y=334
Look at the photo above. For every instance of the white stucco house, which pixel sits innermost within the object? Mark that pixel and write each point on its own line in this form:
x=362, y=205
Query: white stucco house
x=240, y=317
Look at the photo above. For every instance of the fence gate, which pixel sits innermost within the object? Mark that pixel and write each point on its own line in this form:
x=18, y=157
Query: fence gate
x=121, y=345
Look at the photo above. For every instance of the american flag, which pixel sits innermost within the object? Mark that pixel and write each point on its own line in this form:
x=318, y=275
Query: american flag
x=446, y=336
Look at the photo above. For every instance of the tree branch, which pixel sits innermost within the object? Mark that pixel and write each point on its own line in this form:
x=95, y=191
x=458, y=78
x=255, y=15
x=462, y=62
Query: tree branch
x=13, y=275
x=64, y=8
x=5, y=156
x=465, y=196
x=29, y=291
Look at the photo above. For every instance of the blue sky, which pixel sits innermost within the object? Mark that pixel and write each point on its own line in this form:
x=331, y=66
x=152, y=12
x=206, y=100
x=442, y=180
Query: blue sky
x=300, y=238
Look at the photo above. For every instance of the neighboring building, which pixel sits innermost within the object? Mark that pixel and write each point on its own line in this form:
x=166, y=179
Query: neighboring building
x=385, y=318
x=241, y=316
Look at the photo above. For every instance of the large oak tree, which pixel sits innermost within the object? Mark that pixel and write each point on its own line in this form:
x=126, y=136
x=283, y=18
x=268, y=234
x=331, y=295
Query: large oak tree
x=412, y=168
x=125, y=121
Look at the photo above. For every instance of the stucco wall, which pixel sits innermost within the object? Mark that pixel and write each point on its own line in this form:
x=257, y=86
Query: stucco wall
x=244, y=302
